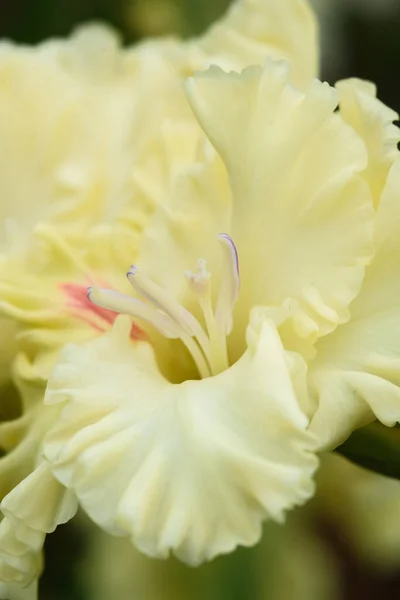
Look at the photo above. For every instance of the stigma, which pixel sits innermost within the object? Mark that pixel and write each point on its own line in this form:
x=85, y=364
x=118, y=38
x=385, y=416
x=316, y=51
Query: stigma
x=206, y=341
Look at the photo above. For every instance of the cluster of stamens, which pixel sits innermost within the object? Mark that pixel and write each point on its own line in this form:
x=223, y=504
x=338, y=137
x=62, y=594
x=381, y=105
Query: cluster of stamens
x=207, y=344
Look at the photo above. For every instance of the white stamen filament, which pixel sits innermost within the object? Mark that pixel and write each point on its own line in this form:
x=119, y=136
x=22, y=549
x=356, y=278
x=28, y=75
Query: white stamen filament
x=155, y=294
x=162, y=311
x=197, y=355
x=200, y=285
x=140, y=310
x=134, y=307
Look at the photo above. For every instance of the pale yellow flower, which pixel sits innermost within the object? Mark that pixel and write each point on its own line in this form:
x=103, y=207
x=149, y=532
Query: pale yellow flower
x=106, y=135
x=195, y=465
x=256, y=307
x=112, y=137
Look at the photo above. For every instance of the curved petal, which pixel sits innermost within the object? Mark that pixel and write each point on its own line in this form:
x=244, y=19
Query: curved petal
x=20, y=438
x=255, y=29
x=31, y=510
x=193, y=468
x=373, y=121
x=302, y=215
x=356, y=373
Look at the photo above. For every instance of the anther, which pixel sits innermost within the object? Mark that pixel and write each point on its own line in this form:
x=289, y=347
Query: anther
x=199, y=280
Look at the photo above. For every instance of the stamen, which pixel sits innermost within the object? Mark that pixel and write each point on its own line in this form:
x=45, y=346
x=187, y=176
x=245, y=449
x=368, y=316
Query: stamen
x=155, y=294
x=229, y=289
x=197, y=355
x=199, y=279
x=200, y=284
x=162, y=322
x=95, y=316
x=163, y=311
x=126, y=305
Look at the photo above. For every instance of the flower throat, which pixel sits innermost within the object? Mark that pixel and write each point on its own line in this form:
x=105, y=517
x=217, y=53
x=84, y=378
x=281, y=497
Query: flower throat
x=154, y=305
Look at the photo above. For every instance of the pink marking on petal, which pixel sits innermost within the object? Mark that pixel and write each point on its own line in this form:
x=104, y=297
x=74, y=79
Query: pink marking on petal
x=96, y=317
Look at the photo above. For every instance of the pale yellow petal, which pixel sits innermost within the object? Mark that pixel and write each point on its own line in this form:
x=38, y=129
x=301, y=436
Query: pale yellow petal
x=94, y=52
x=71, y=150
x=356, y=374
x=21, y=436
x=192, y=468
x=186, y=225
x=32, y=509
x=39, y=502
x=302, y=215
x=255, y=29
x=71, y=157
x=373, y=121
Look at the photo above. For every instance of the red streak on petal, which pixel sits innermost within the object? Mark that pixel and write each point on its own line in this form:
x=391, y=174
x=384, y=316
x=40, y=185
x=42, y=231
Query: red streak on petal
x=86, y=311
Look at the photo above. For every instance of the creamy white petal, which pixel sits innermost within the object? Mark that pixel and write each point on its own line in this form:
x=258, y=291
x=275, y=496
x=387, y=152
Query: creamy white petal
x=356, y=374
x=255, y=29
x=186, y=225
x=192, y=468
x=302, y=215
x=69, y=158
x=32, y=509
x=373, y=121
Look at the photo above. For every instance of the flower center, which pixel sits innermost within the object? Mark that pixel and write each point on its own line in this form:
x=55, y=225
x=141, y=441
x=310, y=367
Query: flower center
x=207, y=345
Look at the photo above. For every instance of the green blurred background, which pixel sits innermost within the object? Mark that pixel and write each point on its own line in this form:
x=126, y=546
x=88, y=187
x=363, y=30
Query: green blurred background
x=343, y=546
x=34, y=20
